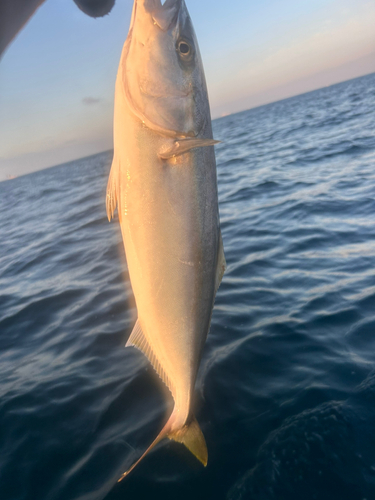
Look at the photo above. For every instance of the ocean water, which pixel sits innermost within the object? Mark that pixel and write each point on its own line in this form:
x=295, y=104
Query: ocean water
x=286, y=390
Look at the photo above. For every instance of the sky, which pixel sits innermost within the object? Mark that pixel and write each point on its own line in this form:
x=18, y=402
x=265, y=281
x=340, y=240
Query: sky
x=57, y=78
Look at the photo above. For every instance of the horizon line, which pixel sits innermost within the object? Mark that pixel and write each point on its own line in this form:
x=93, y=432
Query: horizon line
x=213, y=119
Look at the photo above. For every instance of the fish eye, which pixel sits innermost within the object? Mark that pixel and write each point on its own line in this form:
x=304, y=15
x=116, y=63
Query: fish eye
x=184, y=48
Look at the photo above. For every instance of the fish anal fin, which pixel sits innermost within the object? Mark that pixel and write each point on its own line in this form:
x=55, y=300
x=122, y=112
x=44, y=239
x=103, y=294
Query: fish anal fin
x=192, y=437
x=112, y=198
x=184, y=145
x=138, y=340
x=136, y=337
x=221, y=263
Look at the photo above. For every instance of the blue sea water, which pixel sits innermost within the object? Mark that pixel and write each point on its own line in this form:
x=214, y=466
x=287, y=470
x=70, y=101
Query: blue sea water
x=286, y=390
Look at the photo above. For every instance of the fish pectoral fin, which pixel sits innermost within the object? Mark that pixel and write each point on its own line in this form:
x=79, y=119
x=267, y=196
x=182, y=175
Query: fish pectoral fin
x=112, y=198
x=192, y=437
x=221, y=263
x=138, y=340
x=184, y=145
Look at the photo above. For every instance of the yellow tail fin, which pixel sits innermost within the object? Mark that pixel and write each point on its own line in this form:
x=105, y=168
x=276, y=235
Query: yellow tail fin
x=189, y=434
x=192, y=437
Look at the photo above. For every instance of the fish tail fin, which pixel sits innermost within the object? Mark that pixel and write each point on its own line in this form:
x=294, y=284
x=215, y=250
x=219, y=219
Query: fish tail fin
x=163, y=434
x=192, y=437
x=189, y=434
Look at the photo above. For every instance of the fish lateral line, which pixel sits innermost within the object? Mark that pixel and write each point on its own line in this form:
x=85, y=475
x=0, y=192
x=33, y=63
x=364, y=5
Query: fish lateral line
x=189, y=434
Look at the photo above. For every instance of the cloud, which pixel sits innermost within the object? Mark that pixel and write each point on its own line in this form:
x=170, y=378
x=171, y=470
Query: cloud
x=89, y=101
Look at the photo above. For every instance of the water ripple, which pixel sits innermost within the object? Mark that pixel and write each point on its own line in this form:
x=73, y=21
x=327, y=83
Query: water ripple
x=285, y=394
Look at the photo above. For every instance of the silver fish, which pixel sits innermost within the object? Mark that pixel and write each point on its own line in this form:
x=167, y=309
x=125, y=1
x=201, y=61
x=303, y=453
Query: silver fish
x=163, y=182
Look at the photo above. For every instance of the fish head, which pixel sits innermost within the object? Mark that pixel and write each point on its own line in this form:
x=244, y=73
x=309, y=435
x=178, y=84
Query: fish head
x=162, y=70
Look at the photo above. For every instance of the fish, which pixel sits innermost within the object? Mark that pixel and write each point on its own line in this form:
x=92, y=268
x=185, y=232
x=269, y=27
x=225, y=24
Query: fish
x=14, y=14
x=163, y=183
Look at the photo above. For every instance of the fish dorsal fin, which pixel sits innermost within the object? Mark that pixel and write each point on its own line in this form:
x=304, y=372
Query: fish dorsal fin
x=138, y=340
x=112, y=198
x=184, y=145
x=221, y=263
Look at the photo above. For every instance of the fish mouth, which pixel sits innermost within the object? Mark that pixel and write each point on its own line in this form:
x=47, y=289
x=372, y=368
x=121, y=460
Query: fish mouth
x=165, y=15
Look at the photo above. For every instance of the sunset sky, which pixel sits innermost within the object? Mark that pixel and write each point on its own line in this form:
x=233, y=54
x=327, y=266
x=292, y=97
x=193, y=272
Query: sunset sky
x=57, y=78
